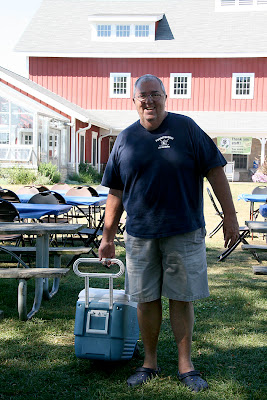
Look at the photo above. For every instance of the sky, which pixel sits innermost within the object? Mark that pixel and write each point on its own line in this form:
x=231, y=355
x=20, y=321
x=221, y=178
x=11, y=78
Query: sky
x=15, y=15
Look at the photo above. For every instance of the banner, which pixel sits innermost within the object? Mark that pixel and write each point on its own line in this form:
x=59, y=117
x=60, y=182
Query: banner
x=234, y=145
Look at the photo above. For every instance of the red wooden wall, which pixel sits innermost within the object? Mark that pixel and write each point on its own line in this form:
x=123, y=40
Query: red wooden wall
x=85, y=81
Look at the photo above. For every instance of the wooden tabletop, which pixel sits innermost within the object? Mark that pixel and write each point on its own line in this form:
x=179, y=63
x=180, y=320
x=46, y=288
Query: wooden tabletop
x=38, y=228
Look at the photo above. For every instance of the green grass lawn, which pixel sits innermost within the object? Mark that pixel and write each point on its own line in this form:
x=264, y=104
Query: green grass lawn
x=37, y=359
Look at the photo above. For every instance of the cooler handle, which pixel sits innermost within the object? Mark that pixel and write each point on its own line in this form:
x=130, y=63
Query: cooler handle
x=98, y=275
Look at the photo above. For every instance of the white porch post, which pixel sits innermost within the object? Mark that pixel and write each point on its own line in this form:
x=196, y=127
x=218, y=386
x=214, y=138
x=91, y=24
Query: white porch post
x=99, y=148
x=72, y=142
x=263, y=142
x=99, y=154
x=44, y=141
x=77, y=144
x=35, y=140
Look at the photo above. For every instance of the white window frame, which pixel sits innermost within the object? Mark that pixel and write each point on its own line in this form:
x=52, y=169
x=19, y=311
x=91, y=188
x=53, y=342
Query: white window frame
x=94, y=149
x=114, y=75
x=240, y=5
x=4, y=137
x=82, y=148
x=113, y=37
x=103, y=28
x=174, y=75
x=131, y=20
x=141, y=28
x=123, y=30
x=236, y=75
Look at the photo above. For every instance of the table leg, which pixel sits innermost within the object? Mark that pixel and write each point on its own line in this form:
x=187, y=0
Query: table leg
x=55, y=287
x=251, y=216
x=42, y=260
x=42, y=254
x=22, y=299
x=39, y=283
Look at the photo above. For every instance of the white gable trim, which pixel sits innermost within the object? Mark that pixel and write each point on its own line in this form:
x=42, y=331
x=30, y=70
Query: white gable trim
x=146, y=55
x=41, y=96
x=125, y=18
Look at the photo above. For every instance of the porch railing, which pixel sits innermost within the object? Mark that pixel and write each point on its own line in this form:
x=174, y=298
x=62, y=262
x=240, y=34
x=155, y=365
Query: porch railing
x=22, y=153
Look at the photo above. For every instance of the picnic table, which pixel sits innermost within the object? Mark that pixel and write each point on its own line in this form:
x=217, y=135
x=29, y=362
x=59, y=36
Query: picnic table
x=36, y=211
x=42, y=232
x=252, y=198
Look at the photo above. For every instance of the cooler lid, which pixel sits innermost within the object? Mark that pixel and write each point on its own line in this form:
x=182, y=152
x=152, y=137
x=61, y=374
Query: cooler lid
x=102, y=295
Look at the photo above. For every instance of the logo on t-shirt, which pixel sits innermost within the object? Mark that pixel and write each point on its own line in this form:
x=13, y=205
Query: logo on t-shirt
x=164, y=142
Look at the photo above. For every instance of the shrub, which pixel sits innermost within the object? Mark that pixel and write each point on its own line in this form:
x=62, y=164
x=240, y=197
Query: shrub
x=18, y=176
x=89, y=174
x=74, y=177
x=50, y=171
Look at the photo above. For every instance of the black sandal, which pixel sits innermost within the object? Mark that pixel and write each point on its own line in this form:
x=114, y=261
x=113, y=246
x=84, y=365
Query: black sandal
x=193, y=381
x=142, y=375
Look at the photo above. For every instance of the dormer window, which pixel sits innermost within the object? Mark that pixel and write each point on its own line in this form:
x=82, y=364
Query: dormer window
x=141, y=30
x=123, y=30
x=124, y=27
x=103, y=30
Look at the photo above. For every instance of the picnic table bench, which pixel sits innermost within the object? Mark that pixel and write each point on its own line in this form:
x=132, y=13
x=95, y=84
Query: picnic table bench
x=257, y=269
x=23, y=274
x=26, y=273
x=259, y=227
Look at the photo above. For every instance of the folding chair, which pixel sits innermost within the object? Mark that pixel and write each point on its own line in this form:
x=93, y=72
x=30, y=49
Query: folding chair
x=62, y=187
x=8, y=195
x=49, y=197
x=9, y=213
x=218, y=212
x=243, y=233
x=90, y=238
x=27, y=189
x=262, y=189
x=81, y=211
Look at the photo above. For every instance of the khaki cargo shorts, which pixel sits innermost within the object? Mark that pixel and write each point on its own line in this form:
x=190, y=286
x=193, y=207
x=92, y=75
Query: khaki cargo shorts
x=174, y=267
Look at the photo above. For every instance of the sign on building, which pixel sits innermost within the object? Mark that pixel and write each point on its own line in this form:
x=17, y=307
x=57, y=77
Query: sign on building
x=234, y=145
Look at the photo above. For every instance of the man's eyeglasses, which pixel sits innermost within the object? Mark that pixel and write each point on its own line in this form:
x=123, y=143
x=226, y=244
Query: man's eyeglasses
x=153, y=96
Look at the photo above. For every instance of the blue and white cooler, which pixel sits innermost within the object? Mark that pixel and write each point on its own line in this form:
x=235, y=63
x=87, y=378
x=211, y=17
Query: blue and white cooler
x=106, y=326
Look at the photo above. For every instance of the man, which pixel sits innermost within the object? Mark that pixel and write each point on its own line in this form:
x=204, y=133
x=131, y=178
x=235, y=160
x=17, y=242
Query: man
x=155, y=173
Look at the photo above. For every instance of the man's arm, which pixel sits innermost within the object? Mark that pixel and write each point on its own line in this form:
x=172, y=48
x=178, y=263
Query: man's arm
x=114, y=209
x=221, y=188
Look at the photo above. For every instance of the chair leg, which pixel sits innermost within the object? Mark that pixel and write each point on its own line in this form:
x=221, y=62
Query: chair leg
x=241, y=238
x=215, y=230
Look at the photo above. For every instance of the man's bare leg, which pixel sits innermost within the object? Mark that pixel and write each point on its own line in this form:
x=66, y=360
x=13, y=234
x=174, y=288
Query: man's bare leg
x=182, y=321
x=149, y=319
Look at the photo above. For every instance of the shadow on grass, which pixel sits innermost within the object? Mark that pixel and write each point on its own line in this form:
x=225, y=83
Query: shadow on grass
x=37, y=358
x=41, y=370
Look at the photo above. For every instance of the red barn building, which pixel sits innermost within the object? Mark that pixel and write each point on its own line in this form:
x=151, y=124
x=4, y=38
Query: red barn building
x=211, y=56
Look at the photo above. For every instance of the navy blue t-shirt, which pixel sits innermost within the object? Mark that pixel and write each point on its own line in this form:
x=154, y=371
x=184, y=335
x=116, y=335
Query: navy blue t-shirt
x=161, y=175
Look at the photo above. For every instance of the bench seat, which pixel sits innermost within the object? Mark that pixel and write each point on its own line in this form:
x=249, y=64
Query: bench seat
x=23, y=274
x=52, y=250
x=27, y=273
x=259, y=270
x=258, y=248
